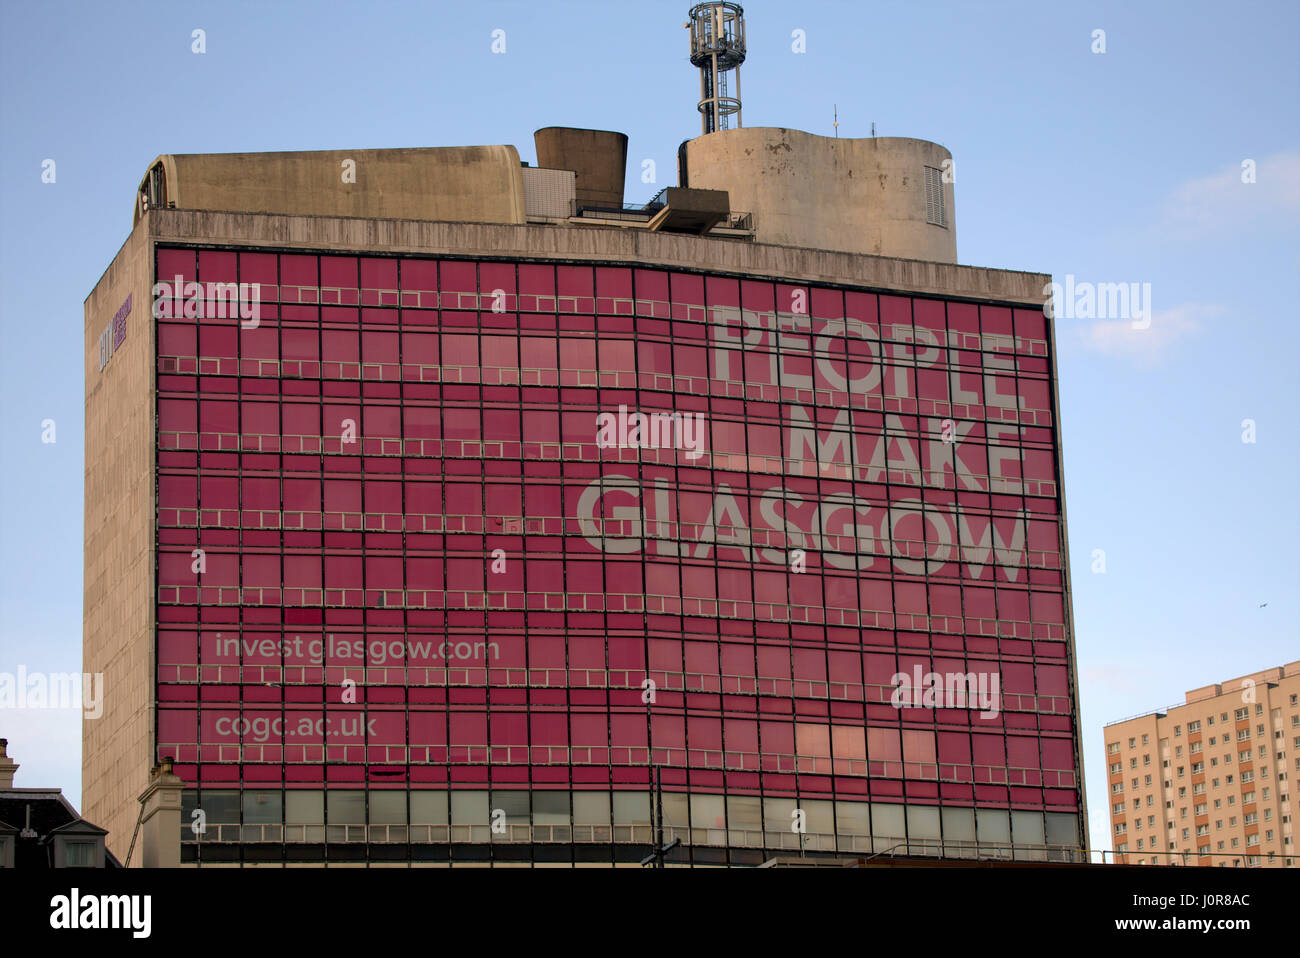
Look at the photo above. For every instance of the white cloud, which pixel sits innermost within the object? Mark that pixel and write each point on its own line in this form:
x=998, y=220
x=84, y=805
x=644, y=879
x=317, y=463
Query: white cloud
x=1120, y=338
x=1222, y=203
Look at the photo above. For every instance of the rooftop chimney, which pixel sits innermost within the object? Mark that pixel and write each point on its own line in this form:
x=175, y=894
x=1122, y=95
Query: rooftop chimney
x=7, y=766
x=160, y=819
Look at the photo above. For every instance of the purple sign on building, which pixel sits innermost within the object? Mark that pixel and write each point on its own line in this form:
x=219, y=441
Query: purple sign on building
x=119, y=323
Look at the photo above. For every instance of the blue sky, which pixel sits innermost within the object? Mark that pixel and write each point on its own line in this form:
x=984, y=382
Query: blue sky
x=1123, y=166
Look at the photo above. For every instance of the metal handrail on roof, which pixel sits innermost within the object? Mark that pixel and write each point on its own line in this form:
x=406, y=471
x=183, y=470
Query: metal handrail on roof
x=1159, y=712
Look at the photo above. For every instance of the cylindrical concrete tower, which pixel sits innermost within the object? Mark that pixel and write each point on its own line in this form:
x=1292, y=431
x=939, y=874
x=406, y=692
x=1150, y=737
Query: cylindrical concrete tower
x=887, y=196
x=598, y=157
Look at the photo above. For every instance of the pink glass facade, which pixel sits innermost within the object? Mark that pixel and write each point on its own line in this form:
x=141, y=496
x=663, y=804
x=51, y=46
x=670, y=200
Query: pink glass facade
x=409, y=587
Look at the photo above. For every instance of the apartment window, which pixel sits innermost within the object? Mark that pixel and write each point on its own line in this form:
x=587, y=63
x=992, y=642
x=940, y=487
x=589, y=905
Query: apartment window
x=1268, y=835
x=1252, y=840
x=1202, y=830
x=1147, y=781
x=1201, y=809
x=1117, y=788
x=1150, y=800
x=1180, y=771
x=1250, y=819
x=1146, y=739
x=1178, y=731
x=1259, y=729
x=1241, y=714
x=1186, y=834
x=1259, y=709
x=1243, y=735
x=1121, y=828
x=1244, y=755
x=1116, y=768
x=1132, y=743
x=1118, y=808
x=1218, y=824
x=1223, y=717
x=1146, y=760
x=1198, y=767
x=1213, y=739
x=1178, y=752
x=1209, y=720
x=1182, y=812
x=1198, y=789
x=1182, y=792
x=1133, y=762
x=79, y=854
x=1151, y=821
x=1246, y=777
x=1232, y=822
x=1219, y=846
x=1214, y=763
x=1195, y=747
x=1194, y=726
x=1231, y=801
x=1293, y=700
x=1135, y=783
x=1112, y=748
x=1268, y=814
x=1265, y=794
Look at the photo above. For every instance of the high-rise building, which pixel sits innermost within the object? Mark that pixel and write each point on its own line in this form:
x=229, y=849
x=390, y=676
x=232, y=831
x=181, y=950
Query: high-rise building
x=445, y=508
x=1209, y=781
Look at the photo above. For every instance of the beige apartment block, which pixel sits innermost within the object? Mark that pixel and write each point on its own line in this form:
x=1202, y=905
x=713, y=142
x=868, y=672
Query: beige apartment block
x=1210, y=781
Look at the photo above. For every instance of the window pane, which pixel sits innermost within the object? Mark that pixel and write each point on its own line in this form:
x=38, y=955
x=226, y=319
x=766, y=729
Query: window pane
x=470, y=808
x=428, y=808
x=304, y=808
x=263, y=808
x=551, y=808
x=591, y=808
x=346, y=807
x=388, y=808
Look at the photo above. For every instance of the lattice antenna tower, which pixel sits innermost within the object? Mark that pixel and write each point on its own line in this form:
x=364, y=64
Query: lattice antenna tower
x=717, y=48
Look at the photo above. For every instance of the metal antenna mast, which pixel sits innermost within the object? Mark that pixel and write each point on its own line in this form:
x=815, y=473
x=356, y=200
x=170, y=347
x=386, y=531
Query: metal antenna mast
x=717, y=47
